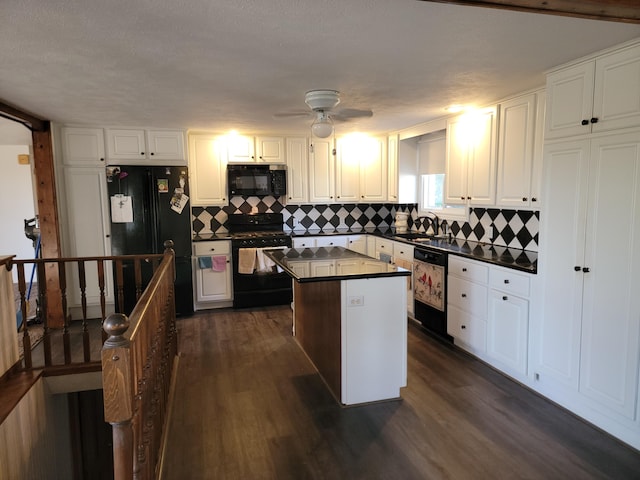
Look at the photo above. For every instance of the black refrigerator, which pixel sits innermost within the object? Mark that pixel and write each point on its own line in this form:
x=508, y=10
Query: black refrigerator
x=149, y=205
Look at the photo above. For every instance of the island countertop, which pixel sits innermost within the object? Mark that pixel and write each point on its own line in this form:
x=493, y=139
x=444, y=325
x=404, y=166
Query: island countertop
x=331, y=263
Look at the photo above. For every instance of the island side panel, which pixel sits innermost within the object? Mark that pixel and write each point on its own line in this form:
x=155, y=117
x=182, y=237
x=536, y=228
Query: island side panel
x=317, y=329
x=374, y=332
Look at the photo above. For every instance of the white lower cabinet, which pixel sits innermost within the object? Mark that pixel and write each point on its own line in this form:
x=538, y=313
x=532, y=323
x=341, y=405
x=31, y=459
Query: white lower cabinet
x=508, y=321
x=467, y=304
x=212, y=285
x=357, y=243
x=331, y=241
x=303, y=242
x=488, y=313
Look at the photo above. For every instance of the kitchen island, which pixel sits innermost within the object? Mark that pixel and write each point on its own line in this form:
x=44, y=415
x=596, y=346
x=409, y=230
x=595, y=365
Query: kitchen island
x=350, y=319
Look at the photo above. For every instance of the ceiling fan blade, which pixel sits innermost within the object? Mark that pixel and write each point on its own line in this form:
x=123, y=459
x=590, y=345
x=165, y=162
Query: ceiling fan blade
x=345, y=114
x=301, y=113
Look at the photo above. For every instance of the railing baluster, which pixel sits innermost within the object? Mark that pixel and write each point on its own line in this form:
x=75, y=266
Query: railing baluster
x=86, y=341
x=120, y=285
x=138, y=278
x=26, y=339
x=66, y=339
x=42, y=296
x=103, y=302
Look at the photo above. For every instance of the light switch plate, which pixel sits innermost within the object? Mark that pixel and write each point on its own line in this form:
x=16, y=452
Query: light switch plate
x=23, y=159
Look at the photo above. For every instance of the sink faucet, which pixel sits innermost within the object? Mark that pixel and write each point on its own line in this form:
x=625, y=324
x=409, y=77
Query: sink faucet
x=434, y=221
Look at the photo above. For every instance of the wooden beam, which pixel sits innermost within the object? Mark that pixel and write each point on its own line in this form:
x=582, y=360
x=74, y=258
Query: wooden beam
x=48, y=219
x=627, y=11
x=32, y=122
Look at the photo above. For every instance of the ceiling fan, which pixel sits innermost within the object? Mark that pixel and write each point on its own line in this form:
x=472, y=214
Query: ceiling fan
x=322, y=104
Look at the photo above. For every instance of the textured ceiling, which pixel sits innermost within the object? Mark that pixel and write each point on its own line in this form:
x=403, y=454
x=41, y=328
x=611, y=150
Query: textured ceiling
x=216, y=65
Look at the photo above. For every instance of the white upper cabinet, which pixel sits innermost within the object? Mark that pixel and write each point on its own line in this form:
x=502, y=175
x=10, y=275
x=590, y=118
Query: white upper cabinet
x=240, y=149
x=297, y=154
x=392, y=169
x=83, y=146
x=596, y=95
x=373, y=170
x=347, y=171
x=470, y=170
x=248, y=149
x=321, y=171
x=270, y=149
x=515, y=151
x=208, y=170
x=361, y=169
x=145, y=147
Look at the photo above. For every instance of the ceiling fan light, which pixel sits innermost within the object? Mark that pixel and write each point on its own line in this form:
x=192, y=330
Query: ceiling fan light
x=322, y=128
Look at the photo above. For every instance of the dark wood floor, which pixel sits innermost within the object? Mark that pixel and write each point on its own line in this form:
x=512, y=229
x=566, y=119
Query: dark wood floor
x=249, y=405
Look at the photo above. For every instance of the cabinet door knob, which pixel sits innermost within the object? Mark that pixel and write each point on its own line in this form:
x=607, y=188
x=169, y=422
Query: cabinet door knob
x=505, y=298
x=585, y=122
x=102, y=159
x=213, y=249
x=141, y=153
x=464, y=295
x=594, y=119
x=107, y=236
x=586, y=269
x=151, y=153
x=506, y=280
x=534, y=199
x=468, y=198
x=463, y=326
x=462, y=198
x=577, y=268
x=464, y=269
x=524, y=199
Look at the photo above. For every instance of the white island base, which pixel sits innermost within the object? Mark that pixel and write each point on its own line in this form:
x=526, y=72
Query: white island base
x=355, y=334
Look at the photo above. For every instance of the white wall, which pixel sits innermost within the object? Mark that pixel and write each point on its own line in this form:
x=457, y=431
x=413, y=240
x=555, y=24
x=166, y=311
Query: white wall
x=16, y=198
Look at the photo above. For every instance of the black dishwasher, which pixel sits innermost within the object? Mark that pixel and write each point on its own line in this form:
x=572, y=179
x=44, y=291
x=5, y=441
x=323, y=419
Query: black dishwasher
x=430, y=290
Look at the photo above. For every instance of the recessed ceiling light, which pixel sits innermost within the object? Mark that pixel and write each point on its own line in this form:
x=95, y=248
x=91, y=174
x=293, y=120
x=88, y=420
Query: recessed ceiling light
x=455, y=108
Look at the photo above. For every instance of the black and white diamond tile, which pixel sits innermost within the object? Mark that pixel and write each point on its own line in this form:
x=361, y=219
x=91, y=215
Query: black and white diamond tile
x=510, y=228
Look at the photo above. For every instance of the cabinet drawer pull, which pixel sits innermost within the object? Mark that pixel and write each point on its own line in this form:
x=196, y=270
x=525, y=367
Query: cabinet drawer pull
x=594, y=120
x=463, y=326
x=585, y=122
x=505, y=298
x=506, y=280
x=464, y=295
x=586, y=269
x=577, y=268
x=213, y=249
x=464, y=269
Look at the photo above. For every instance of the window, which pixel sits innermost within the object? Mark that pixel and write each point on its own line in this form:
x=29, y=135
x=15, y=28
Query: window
x=431, y=168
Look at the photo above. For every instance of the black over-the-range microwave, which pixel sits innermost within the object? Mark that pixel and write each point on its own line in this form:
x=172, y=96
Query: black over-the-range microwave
x=257, y=180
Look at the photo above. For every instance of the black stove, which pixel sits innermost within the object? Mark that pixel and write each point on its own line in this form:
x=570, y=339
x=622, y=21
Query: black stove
x=260, y=288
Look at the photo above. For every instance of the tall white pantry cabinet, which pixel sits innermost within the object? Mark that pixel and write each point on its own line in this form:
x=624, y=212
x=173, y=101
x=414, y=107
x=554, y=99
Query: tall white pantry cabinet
x=587, y=336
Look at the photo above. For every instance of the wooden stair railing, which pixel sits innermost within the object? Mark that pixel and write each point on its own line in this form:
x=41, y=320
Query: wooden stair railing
x=75, y=267
x=138, y=368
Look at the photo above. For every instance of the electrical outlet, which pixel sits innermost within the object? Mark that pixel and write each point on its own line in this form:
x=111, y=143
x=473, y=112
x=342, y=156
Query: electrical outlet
x=356, y=301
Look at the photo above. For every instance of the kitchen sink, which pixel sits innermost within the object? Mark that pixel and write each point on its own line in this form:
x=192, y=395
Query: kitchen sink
x=414, y=236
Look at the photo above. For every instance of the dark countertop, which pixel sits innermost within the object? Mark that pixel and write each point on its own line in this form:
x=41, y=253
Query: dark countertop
x=298, y=263
x=518, y=259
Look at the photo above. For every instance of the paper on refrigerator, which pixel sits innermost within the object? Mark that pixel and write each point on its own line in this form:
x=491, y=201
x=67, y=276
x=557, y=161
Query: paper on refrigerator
x=121, y=209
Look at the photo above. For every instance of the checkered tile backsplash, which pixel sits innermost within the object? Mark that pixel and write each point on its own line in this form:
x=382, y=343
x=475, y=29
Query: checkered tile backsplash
x=510, y=228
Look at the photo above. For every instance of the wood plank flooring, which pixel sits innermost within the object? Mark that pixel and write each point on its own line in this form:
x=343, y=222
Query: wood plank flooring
x=249, y=405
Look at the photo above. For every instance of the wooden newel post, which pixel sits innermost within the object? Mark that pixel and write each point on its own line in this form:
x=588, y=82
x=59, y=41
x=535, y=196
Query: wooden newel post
x=117, y=382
